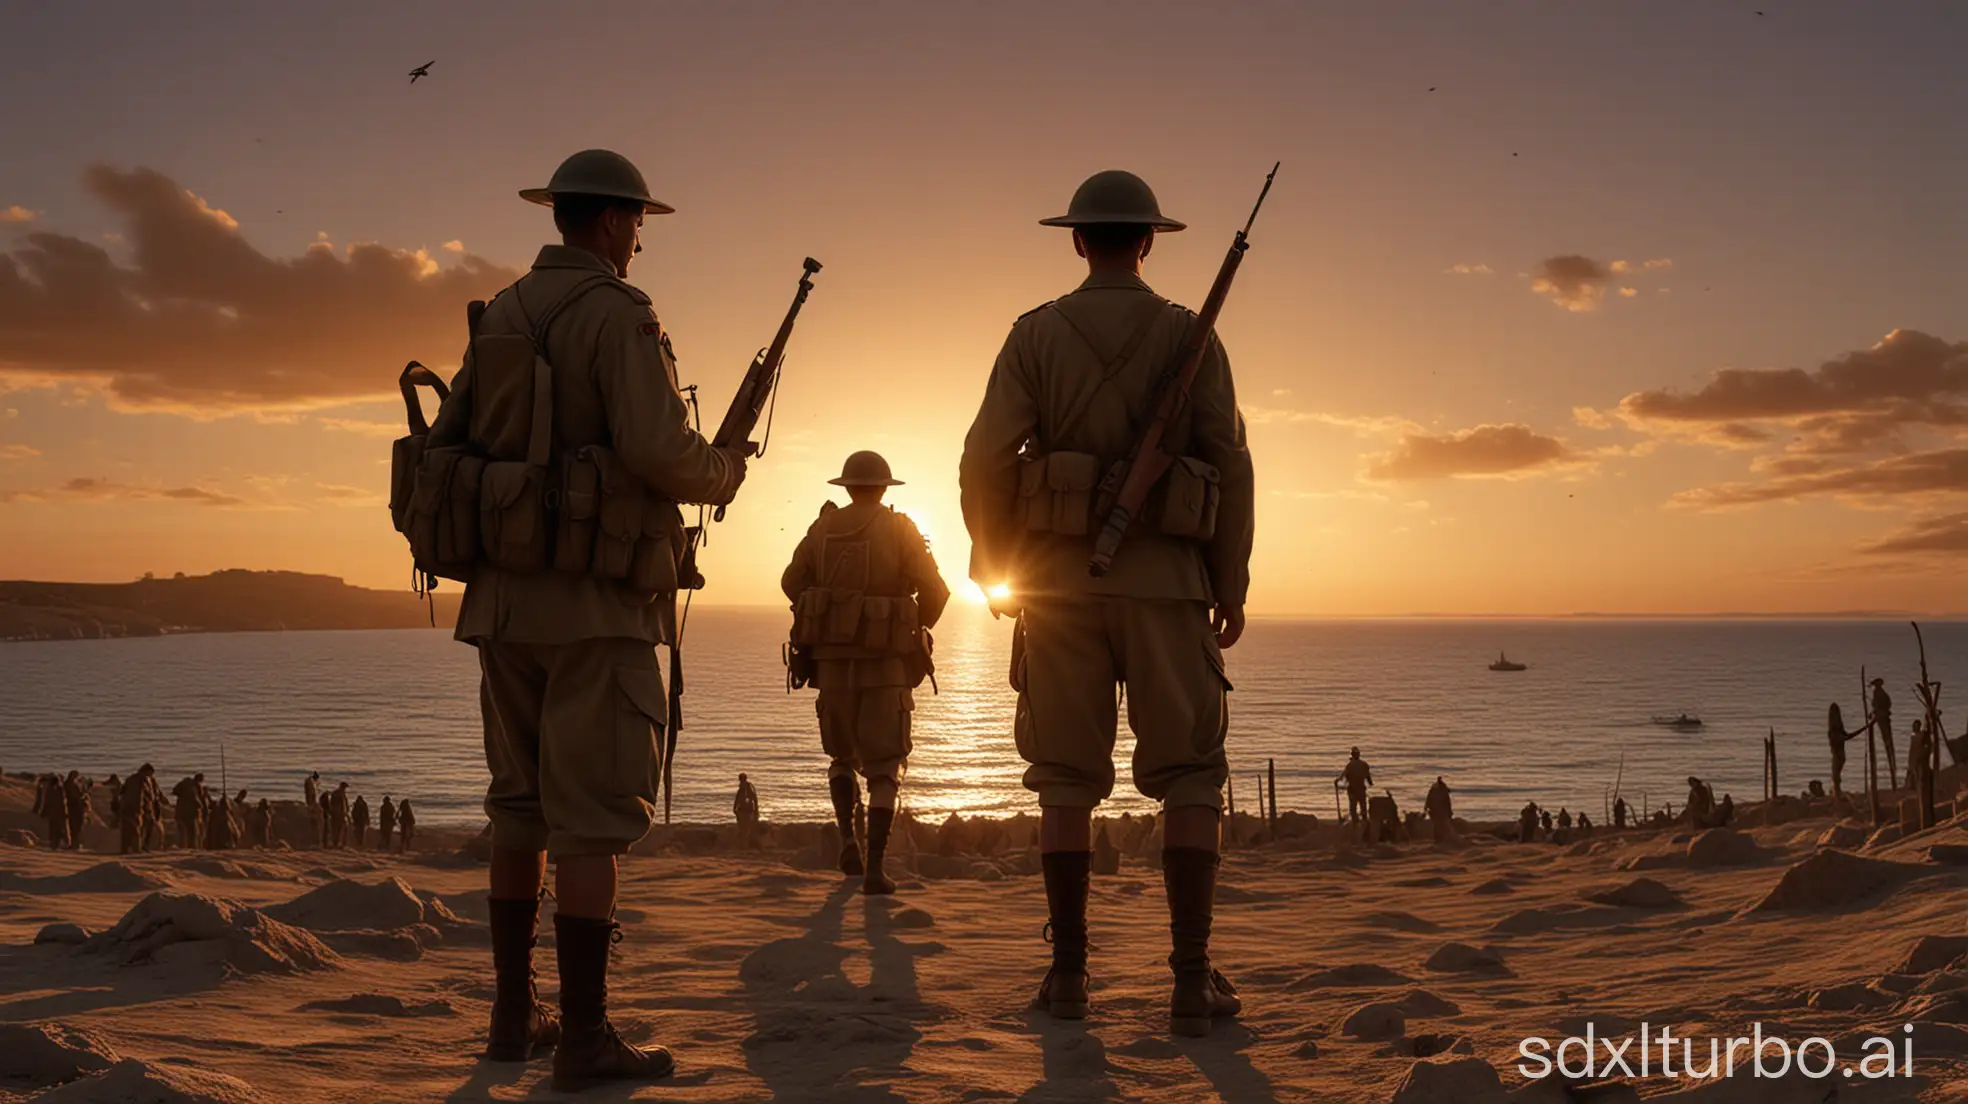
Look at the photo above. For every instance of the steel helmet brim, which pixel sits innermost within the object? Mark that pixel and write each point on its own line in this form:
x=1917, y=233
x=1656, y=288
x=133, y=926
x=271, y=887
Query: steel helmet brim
x=843, y=481
x=544, y=197
x=1161, y=224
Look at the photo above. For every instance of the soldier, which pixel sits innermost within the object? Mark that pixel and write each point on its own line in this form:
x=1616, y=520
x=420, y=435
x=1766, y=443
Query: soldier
x=406, y=824
x=338, y=816
x=745, y=810
x=259, y=825
x=1357, y=776
x=1701, y=803
x=153, y=807
x=359, y=820
x=1920, y=755
x=868, y=560
x=385, y=824
x=221, y=829
x=1584, y=825
x=133, y=810
x=1564, y=817
x=1545, y=817
x=51, y=804
x=1527, y=823
x=573, y=701
x=1619, y=814
x=1441, y=814
x=114, y=784
x=1061, y=405
x=190, y=808
x=311, y=790
x=1882, y=721
x=1835, y=732
x=75, y=789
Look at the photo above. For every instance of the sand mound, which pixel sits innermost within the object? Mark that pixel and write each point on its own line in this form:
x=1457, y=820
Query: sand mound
x=381, y=1004
x=108, y=877
x=1852, y=997
x=1493, y=887
x=396, y=945
x=1843, y=836
x=34, y=1056
x=344, y=905
x=245, y=940
x=62, y=933
x=1638, y=893
x=1461, y=958
x=1931, y=952
x=1375, y=1021
x=1462, y=1080
x=1358, y=975
x=1722, y=847
x=1424, y=1005
x=132, y=1081
x=1830, y=879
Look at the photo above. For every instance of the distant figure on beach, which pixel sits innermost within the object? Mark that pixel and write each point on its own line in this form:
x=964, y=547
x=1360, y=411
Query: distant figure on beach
x=1815, y=791
x=1441, y=813
x=338, y=816
x=221, y=832
x=1620, y=812
x=745, y=810
x=1073, y=378
x=1383, y=819
x=75, y=789
x=133, y=811
x=1839, y=737
x=1564, y=817
x=406, y=824
x=189, y=794
x=1584, y=825
x=385, y=824
x=1549, y=824
x=1358, y=776
x=1527, y=823
x=1701, y=803
x=1882, y=723
x=570, y=690
x=872, y=562
x=311, y=790
x=51, y=805
x=259, y=825
x=114, y=784
x=1726, y=811
x=1920, y=753
x=359, y=820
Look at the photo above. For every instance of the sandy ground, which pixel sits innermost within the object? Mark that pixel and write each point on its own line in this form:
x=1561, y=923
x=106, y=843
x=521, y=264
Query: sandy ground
x=774, y=981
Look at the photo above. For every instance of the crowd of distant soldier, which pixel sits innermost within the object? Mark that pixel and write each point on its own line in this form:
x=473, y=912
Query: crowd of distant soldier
x=202, y=820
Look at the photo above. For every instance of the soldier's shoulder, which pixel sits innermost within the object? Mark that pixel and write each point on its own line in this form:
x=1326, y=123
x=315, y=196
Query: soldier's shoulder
x=1030, y=316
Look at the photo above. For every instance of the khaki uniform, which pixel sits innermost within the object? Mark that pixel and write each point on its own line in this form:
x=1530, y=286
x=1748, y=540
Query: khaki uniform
x=133, y=812
x=572, y=698
x=866, y=702
x=1077, y=375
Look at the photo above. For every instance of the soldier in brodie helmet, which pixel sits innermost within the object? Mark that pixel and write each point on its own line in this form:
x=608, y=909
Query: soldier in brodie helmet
x=1075, y=379
x=862, y=581
x=572, y=696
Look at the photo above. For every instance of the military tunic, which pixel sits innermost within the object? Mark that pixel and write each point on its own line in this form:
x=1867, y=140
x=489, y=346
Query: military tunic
x=1077, y=375
x=571, y=695
x=866, y=702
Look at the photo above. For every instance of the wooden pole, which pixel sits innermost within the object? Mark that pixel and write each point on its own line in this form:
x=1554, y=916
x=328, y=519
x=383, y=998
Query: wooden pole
x=1271, y=768
x=1930, y=700
x=1872, y=751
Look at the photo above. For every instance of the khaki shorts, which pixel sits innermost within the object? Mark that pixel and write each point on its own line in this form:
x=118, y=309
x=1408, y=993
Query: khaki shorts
x=573, y=737
x=1075, y=655
x=866, y=730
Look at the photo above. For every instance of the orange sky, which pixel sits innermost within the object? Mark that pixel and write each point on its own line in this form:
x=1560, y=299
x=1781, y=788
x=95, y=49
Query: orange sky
x=1477, y=337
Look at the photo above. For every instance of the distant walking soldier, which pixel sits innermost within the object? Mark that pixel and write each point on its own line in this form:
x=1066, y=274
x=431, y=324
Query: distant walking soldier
x=406, y=824
x=222, y=833
x=153, y=808
x=133, y=810
x=1620, y=813
x=1882, y=721
x=51, y=805
x=1920, y=754
x=311, y=790
x=338, y=816
x=1545, y=816
x=359, y=820
x=1076, y=381
x=1527, y=823
x=259, y=825
x=385, y=824
x=573, y=701
x=75, y=789
x=1701, y=803
x=865, y=591
x=1584, y=825
x=114, y=784
x=745, y=810
x=1564, y=817
x=1441, y=813
x=1357, y=776
x=190, y=808
x=1835, y=732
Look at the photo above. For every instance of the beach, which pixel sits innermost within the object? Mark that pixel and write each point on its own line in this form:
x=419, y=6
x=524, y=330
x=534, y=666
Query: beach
x=356, y=976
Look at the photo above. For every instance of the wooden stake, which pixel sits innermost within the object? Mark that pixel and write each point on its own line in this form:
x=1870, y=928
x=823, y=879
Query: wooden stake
x=1271, y=768
x=1872, y=751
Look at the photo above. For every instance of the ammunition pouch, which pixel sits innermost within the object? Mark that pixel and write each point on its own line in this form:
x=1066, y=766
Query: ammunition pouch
x=1188, y=500
x=1056, y=494
x=851, y=619
x=442, y=521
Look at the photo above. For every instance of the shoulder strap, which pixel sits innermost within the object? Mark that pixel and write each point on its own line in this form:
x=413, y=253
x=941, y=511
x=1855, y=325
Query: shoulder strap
x=1143, y=318
x=539, y=442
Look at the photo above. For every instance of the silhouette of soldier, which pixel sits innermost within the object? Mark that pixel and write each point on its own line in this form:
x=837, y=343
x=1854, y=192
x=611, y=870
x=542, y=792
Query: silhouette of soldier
x=1527, y=823
x=1882, y=722
x=1620, y=813
x=75, y=789
x=745, y=809
x=1066, y=398
x=385, y=824
x=51, y=805
x=1441, y=813
x=406, y=824
x=864, y=589
x=1584, y=825
x=1920, y=753
x=359, y=820
x=1835, y=732
x=1545, y=816
x=1701, y=803
x=1357, y=776
x=190, y=809
x=133, y=811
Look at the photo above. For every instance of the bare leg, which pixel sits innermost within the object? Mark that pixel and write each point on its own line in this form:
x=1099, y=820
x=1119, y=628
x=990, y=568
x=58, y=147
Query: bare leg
x=518, y=875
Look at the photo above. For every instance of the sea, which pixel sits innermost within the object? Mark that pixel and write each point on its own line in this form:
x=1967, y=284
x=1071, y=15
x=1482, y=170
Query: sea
x=396, y=712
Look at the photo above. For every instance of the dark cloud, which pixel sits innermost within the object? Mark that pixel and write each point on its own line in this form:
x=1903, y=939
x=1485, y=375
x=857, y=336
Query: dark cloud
x=1571, y=281
x=1484, y=450
x=1942, y=471
x=1946, y=535
x=203, y=321
x=87, y=489
x=1852, y=403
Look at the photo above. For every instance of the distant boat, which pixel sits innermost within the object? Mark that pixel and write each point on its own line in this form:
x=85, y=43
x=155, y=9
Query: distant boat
x=1684, y=722
x=1503, y=664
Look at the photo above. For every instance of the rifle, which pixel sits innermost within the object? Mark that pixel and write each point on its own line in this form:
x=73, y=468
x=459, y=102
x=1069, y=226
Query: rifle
x=760, y=384
x=1125, y=488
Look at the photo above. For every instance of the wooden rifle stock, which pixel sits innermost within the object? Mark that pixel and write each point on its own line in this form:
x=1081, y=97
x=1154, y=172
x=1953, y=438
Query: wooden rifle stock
x=1126, y=487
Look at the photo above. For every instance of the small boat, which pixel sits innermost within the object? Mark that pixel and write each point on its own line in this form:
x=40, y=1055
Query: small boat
x=1503, y=664
x=1683, y=722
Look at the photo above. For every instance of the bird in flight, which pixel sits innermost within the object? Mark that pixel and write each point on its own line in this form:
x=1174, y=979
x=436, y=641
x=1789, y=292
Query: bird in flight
x=423, y=70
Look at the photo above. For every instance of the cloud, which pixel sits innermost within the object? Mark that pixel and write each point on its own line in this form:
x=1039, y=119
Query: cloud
x=1946, y=535
x=363, y=426
x=18, y=452
x=205, y=323
x=1486, y=450
x=1659, y=262
x=105, y=490
x=1938, y=472
x=1571, y=281
x=343, y=495
x=1628, y=293
x=1470, y=270
x=454, y=246
x=18, y=213
x=1854, y=402
x=1590, y=418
